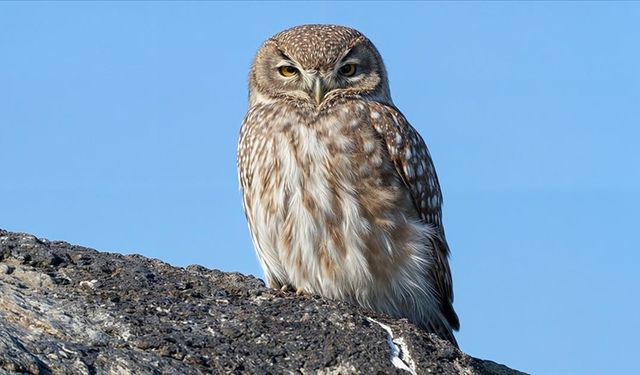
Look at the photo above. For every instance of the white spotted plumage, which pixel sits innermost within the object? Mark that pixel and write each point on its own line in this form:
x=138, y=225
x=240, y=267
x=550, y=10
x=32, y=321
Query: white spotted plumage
x=339, y=190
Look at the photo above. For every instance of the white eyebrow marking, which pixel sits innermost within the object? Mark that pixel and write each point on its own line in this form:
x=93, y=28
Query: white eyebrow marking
x=351, y=61
x=285, y=62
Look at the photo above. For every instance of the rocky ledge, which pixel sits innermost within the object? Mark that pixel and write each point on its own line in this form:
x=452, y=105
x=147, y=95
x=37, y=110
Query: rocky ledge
x=67, y=309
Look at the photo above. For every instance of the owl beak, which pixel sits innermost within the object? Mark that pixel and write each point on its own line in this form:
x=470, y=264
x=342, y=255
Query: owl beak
x=318, y=90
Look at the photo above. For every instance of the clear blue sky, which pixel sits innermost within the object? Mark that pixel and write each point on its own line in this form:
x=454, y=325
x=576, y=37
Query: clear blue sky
x=119, y=123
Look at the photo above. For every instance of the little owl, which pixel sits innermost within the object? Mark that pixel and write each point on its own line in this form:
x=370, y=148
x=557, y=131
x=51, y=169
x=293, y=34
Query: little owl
x=339, y=190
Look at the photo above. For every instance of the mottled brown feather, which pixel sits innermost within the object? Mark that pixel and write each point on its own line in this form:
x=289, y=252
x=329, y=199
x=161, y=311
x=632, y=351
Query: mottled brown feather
x=340, y=192
x=407, y=148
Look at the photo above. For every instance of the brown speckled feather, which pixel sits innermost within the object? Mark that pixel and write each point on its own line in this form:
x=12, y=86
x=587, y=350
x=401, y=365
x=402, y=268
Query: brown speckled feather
x=340, y=193
x=413, y=163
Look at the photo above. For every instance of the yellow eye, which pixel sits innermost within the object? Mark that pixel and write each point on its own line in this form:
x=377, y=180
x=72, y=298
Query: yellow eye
x=348, y=70
x=287, y=71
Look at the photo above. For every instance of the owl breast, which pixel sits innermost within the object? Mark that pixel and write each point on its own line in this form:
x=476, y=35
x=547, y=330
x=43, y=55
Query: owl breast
x=328, y=212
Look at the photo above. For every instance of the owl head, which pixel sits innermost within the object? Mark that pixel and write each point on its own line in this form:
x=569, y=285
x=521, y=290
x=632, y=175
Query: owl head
x=312, y=65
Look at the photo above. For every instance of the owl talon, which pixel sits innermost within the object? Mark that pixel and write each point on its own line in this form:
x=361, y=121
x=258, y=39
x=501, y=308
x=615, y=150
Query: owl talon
x=300, y=292
x=285, y=288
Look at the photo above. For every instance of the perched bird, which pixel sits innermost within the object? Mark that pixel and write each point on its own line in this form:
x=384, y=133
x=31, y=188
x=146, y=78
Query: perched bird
x=339, y=190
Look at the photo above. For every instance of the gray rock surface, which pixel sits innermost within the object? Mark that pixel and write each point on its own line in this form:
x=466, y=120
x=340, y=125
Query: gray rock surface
x=68, y=309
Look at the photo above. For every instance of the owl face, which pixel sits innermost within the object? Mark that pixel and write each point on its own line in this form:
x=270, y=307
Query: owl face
x=313, y=64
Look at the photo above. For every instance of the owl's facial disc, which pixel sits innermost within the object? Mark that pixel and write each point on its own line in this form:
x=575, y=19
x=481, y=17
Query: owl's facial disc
x=316, y=84
x=316, y=64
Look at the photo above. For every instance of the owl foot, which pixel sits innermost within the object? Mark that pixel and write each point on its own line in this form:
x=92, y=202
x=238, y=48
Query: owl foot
x=286, y=288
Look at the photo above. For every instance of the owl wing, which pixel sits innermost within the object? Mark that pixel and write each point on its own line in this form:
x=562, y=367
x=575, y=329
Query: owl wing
x=413, y=163
x=251, y=147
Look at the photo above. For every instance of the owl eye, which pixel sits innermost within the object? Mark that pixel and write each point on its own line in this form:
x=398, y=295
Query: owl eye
x=287, y=71
x=348, y=70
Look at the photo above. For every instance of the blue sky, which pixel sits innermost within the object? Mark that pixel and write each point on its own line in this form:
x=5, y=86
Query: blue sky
x=119, y=124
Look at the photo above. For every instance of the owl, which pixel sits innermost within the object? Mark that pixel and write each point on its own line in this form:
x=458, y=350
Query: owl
x=339, y=190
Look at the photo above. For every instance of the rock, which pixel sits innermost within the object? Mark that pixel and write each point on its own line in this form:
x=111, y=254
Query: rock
x=67, y=309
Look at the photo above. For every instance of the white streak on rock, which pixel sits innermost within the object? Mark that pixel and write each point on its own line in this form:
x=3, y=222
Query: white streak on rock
x=400, y=356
